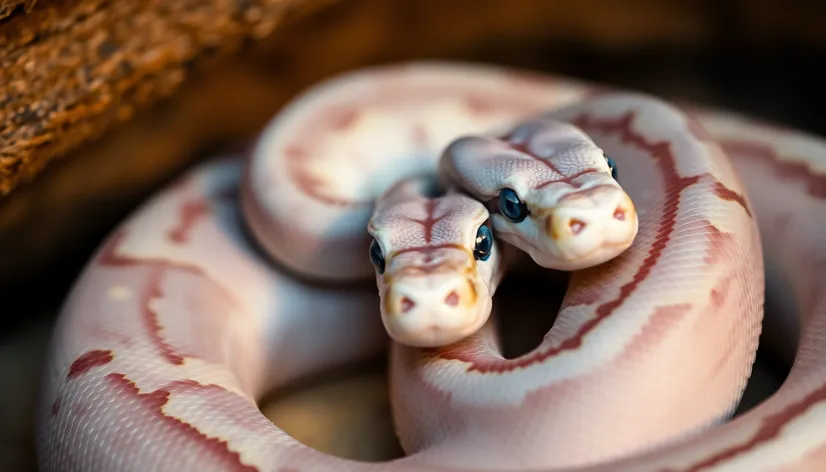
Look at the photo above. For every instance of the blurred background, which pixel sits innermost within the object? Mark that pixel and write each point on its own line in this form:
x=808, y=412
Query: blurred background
x=102, y=103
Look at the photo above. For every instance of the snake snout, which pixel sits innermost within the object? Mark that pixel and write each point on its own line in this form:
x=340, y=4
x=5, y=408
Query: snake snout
x=431, y=311
x=591, y=226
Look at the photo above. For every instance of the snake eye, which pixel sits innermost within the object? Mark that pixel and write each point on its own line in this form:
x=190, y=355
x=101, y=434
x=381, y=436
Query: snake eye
x=376, y=257
x=613, y=166
x=484, y=243
x=512, y=206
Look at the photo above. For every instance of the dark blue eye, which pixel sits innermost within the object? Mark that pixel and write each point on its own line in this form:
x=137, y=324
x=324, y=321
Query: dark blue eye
x=484, y=243
x=376, y=257
x=511, y=206
x=613, y=166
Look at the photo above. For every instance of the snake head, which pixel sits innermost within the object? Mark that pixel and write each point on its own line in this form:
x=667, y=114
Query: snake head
x=436, y=262
x=551, y=192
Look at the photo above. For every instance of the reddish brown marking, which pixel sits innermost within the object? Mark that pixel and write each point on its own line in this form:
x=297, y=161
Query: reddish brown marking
x=719, y=241
x=523, y=148
x=770, y=428
x=720, y=293
x=479, y=105
x=662, y=154
x=313, y=186
x=295, y=152
x=150, y=318
x=156, y=400
x=452, y=298
x=254, y=210
x=798, y=171
x=55, y=407
x=728, y=194
x=567, y=180
x=719, y=296
x=619, y=214
x=89, y=361
x=343, y=118
x=109, y=257
x=297, y=155
x=407, y=304
x=109, y=254
x=190, y=213
x=429, y=222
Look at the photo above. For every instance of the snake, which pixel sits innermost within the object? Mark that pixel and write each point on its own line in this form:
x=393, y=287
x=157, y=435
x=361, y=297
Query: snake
x=378, y=212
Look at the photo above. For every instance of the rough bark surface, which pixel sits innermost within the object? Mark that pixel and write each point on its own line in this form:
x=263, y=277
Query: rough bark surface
x=70, y=70
x=7, y=7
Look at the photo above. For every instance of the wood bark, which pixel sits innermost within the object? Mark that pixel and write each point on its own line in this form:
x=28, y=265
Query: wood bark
x=72, y=70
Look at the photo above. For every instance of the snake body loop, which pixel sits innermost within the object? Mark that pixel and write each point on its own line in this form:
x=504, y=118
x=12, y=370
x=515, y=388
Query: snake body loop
x=231, y=283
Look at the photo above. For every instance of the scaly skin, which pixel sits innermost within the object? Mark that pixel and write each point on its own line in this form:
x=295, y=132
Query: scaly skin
x=578, y=216
x=434, y=287
x=333, y=151
x=177, y=326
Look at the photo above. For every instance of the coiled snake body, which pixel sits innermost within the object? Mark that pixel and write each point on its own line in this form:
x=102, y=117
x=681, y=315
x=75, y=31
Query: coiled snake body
x=180, y=322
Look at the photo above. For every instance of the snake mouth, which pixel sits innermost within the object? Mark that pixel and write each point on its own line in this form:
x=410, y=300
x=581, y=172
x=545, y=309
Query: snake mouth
x=435, y=310
x=433, y=335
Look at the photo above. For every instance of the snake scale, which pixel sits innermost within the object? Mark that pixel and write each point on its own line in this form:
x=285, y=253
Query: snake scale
x=434, y=179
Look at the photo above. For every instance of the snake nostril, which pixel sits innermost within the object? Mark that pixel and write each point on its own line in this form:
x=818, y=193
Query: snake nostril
x=407, y=304
x=619, y=214
x=452, y=298
x=576, y=225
